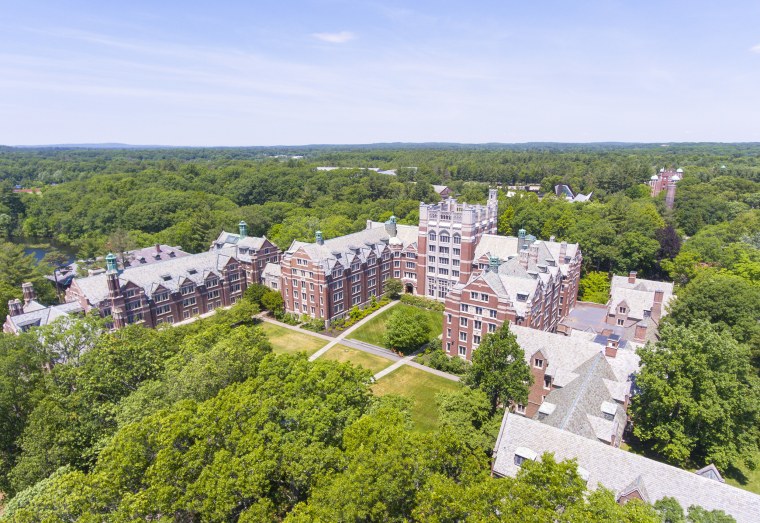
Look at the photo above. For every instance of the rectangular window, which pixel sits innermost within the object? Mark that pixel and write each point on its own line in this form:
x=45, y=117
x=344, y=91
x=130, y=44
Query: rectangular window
x=476, y=339
x=492, y=313
x=443, y=250
x=491, y=327
x=479, y=311
x=474, y=295
x=187, y=302
x=163, y=309
x=462, y=336
x=463, y=322
x=396, y=274
x=161, y=296
x=355, y=289
x=462, y=350
x=622, y=310
x=538, y=363
x=431, y=248
x=621, y=322
x=187, y=289
x=457, y=252
x=478, y=325
x=464, y=307
x=411, y=265
x=448, y=318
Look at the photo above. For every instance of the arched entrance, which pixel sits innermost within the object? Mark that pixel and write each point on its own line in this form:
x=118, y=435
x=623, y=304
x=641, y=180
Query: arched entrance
x=409, y=289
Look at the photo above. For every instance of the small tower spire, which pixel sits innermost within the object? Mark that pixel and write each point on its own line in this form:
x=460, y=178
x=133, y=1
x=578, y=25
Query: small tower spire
x=243, y=227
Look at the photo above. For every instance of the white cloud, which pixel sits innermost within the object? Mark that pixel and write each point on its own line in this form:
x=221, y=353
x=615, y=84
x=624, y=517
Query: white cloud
x=335, y=38
x=755, y=49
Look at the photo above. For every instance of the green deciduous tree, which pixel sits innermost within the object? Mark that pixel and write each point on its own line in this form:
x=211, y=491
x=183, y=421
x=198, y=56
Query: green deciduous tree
x=499, y=369
x=594, y=287
x=699, y=399
x=407, y=330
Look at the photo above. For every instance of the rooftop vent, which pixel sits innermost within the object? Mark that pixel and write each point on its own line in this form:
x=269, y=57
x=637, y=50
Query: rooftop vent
x=546, y=408
x=192, y=271
x=166, y=277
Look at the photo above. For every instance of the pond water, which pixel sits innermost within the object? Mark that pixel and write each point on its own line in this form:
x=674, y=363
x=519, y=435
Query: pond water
x=41, y=248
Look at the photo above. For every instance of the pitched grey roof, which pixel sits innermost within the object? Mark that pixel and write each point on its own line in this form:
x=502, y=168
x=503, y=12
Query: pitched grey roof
x=153, y=254
x=618, y=470
x=169, y=274
x=585, y=379
x=272, y=269
x=37, y=315
x=359, y=245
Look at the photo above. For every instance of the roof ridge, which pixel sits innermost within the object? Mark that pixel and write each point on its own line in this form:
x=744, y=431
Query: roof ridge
x=581, y=392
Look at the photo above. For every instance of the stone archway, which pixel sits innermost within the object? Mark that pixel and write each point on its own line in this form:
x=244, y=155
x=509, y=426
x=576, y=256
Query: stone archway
x=409, y=288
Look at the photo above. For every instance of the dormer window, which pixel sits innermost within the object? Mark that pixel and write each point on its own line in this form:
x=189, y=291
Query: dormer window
x=161, y=296
x=192, y=271
x=187, y=289
x=622, y=310
x=609, y=410
x=166, y=277
x=212, y=282
x=522, y=297
x=538, y=363
x=523, y=454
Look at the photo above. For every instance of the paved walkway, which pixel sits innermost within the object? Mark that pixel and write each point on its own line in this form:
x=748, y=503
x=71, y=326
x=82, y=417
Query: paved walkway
x=342, y=339
x=351, y=329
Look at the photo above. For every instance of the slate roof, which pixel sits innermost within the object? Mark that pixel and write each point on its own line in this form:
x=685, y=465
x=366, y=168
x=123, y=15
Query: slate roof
x=586, y=381
x=506, y=248
x=272, y=270
x=227, y=240
x=359, y=245
x=619, y=470
x=195, y=268
x=36, y=315
x=153, y=254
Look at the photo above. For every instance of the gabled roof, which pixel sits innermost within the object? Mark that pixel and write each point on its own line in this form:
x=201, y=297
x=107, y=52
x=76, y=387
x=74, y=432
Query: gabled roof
x=618, y=470
x=37, y=315
x=359, y=245
x=587, y=383
x=196, y=268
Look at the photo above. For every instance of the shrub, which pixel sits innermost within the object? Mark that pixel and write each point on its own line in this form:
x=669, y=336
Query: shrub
x=423, y=303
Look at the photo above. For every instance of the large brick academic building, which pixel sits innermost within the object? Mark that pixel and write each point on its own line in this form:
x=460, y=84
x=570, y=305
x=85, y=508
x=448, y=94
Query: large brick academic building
x=453, y=256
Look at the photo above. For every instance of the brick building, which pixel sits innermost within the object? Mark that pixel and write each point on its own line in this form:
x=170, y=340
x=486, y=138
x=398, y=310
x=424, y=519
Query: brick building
x=636, y=306
x=666, y=180
x=22, y=316
x=522, y=280
x=252, y=252
x=324, y=279
x=448, y=235
x=582, y=383
x=166, y=292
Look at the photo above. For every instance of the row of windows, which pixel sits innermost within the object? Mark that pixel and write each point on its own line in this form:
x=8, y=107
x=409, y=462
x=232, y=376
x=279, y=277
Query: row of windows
x=479, y=311
x=443, y=237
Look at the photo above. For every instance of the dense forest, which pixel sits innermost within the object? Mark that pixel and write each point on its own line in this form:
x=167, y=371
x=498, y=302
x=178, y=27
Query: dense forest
x=203, y=422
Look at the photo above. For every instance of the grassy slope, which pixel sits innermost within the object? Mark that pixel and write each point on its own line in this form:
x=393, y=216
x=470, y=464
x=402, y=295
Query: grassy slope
x=373, y=331
x=369, y=361
x=286, y=341
x=419, y=386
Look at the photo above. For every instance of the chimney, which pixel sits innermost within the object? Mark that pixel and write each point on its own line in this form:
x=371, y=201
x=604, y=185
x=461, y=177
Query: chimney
x=493, y=264
x=551, y=238
x=390, y=227
x=610, y=350
x=524, y=259
x=243, y=228
x=319, y=238
x=657, y=305
x=641, y=333
x=562, y=251
x=533, y=249
x=15, y=308
x=632, y=277
x=158, y=247
x=29, y=293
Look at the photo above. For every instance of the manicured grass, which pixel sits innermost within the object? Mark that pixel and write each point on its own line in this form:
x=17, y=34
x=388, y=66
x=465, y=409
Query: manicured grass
x=750, y=479
x=286, y=341
x=373, y=331
x=419, y=386
x=343, y=354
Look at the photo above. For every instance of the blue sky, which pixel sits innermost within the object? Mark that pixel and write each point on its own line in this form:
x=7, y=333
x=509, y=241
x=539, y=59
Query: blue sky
x=266, y=73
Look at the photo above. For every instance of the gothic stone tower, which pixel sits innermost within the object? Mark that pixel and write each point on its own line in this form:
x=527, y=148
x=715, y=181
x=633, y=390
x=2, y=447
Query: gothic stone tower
x=449, y=232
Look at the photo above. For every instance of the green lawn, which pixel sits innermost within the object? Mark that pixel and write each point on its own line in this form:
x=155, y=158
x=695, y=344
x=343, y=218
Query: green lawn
x=373, y=331
x=286, y=341
x=419, y=386
x=343, y=354
x=750, y=480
